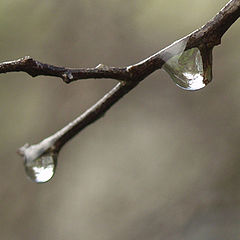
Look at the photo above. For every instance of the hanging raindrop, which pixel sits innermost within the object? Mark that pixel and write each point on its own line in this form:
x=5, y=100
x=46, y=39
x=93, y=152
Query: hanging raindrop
x=42, y=168
x=186, y=70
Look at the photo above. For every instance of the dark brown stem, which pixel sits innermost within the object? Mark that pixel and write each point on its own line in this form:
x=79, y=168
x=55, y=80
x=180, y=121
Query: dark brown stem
x=35, y=68
x=211, y=33
x=205, y=38
x=56, y=141
x=93, y=113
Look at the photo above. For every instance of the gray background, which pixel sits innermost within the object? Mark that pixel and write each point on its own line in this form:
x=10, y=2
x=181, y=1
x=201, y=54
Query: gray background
x=162, y=164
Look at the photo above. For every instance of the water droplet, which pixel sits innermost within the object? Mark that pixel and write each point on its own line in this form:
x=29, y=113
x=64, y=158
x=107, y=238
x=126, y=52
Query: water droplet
x=41, y=169
x=186, y=70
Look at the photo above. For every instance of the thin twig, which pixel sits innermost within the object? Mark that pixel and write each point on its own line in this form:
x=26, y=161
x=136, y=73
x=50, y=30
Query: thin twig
x=205, y=38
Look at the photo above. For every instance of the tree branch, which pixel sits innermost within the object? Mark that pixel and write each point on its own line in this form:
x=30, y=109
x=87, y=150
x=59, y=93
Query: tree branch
x=204, y=38
x=35, y=68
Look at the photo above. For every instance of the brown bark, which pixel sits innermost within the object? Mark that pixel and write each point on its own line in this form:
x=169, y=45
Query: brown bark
x=205, y=38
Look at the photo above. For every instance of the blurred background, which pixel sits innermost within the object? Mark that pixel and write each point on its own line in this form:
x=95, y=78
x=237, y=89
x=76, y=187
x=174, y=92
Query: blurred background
x=162, y=164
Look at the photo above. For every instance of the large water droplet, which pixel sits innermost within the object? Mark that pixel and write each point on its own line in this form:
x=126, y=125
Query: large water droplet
x=41, y=169
x=186, y=70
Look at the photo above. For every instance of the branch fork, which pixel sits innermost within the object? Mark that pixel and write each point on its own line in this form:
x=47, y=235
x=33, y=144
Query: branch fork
x=204, y=38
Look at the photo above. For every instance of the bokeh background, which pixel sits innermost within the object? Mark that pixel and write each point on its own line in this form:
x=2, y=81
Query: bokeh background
x=163, y=163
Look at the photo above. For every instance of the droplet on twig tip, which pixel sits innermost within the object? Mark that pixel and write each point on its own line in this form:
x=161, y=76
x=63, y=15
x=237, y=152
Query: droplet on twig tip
x=186, y=70
x=42, y=168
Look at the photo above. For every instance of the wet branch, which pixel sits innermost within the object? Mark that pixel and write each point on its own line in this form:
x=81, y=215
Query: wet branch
x=205, y=38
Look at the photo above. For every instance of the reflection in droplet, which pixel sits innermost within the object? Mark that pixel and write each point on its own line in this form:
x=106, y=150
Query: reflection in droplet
x=186, y=70
x=41, y=169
